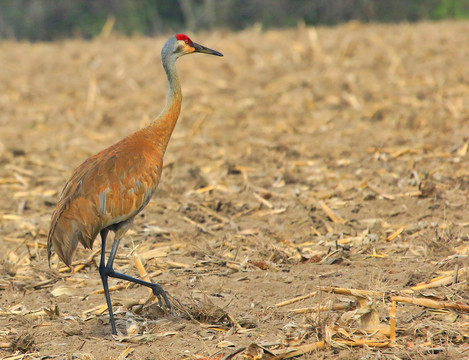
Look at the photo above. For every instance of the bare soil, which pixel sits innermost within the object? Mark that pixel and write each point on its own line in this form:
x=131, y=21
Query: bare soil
x=305, y=158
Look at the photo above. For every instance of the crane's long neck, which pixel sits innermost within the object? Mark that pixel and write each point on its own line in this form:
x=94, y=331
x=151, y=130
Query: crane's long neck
x=162, y=127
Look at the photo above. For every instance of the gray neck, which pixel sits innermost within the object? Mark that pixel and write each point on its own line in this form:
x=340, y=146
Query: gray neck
x=173, y=98
x=162, y=127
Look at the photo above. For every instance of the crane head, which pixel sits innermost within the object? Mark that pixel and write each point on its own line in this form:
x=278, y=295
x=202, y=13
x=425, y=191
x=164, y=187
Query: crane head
x=184, y=45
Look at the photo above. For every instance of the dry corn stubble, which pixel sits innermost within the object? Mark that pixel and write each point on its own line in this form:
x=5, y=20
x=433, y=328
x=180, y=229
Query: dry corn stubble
x=332, y=157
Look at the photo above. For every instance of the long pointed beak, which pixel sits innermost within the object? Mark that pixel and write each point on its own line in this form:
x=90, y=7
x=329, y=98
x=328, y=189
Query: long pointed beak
x=205, y=50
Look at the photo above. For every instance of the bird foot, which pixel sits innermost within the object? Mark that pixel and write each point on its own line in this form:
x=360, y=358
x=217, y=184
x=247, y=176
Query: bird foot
x=161, y=295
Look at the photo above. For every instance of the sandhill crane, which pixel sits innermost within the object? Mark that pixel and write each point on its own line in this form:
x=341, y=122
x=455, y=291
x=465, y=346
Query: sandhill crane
x=110, y=188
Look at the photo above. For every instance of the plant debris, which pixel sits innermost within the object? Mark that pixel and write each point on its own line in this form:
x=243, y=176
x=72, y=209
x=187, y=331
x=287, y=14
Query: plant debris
x=313, y=203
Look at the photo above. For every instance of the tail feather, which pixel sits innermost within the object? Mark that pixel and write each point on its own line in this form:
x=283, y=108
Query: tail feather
x=64, y=236
x=70, y=225
x=49, y=239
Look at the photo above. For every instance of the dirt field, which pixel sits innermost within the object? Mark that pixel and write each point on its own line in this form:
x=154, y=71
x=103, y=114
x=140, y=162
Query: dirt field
x=305, y=162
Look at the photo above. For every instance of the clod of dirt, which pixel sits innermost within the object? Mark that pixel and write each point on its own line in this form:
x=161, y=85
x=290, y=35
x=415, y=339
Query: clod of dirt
x=207, y=312
x=232, y=169
x=263, y=265
x=24, y=343
x=255, y=352
x=78, y=356
x=378, y=115
x=18, y=152
x=289, y=178
x=427, y=188
x=8, y=268
x=73, y=329
x=153, y=312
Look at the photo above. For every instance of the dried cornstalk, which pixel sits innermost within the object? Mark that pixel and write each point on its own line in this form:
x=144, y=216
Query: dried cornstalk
x=125, y=353
x=363, y=342
x=145, y=338
x=413, y=193
x=331, y=214
x=439, y=281
x=234, y=322
x=78, y=268
x=298, y=350
x=97, y=310
x=198, y=225
x=431, y=303
x=353, y=292
x=141, y=270
x=153, y=253
x=328, y=307
x=294, y=300
x=111, y=289
x=20, y=357
x=392, y=322
x=214, y=214
x=263, y=201
x=395, y=234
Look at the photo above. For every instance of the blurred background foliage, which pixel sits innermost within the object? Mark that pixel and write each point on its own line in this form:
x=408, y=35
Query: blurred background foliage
x=39, y=20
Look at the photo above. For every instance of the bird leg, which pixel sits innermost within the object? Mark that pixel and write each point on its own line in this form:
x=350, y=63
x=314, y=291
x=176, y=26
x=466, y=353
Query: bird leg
x=104, y=276
x=108, y=271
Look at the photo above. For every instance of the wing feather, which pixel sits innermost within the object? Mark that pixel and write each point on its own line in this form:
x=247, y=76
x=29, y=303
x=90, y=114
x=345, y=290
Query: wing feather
x=108, y=188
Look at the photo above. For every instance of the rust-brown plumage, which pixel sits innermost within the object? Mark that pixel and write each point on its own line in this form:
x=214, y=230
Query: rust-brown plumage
x=110, y=188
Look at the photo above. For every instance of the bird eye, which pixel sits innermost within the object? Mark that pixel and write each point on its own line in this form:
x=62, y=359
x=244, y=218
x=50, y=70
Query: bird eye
x=187, y=41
